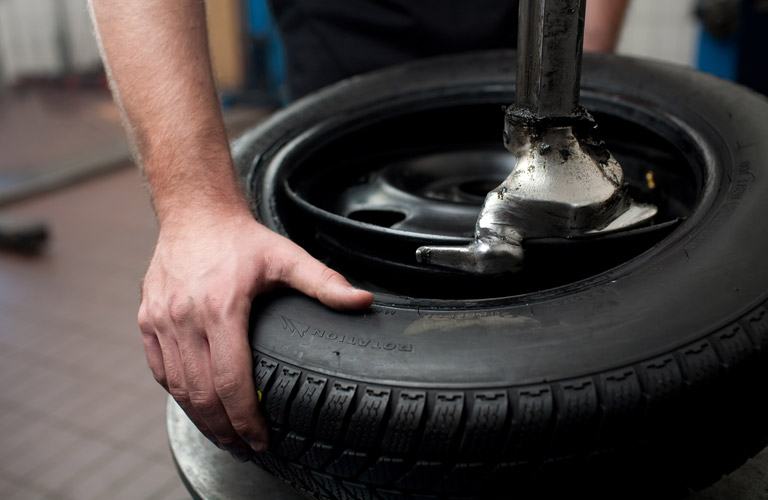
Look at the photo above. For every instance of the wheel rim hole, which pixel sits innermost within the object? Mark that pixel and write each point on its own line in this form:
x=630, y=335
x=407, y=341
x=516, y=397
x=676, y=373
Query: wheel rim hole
x=477, y=189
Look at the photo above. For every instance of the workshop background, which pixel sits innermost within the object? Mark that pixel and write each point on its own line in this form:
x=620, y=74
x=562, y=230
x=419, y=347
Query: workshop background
x=80, y=415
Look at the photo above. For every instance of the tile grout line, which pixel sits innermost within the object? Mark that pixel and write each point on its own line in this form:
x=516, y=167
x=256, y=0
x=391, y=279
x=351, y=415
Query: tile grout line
x=86, y=432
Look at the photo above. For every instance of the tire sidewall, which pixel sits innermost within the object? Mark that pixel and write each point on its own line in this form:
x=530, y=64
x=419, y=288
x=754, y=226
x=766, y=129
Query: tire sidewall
x=699, y=281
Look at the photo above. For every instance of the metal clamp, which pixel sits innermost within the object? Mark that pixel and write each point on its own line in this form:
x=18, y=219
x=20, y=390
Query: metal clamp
x=565, y=183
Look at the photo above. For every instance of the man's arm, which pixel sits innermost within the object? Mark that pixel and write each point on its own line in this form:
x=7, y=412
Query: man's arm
x=603, y=24
x=212, y=258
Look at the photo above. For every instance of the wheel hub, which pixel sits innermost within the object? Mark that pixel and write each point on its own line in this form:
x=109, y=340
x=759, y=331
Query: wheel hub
x=365, y=206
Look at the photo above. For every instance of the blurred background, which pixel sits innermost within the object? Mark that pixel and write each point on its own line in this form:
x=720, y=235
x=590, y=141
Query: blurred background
x=80, y=415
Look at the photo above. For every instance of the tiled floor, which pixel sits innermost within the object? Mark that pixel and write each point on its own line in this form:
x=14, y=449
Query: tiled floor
x=81, y=417
x=42, y=126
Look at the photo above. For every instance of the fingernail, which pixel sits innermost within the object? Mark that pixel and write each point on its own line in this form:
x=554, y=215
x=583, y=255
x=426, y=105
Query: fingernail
x=258, y=446
x=241, y=457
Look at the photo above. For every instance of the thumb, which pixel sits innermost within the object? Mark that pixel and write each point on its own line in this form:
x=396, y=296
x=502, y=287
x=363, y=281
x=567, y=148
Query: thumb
x=317, y=280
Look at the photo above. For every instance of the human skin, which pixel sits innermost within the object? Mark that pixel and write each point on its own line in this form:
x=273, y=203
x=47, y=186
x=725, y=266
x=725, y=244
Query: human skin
x=212, y=259
x=602, y=24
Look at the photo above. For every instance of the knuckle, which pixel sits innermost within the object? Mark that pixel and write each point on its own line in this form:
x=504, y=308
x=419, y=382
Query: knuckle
x=205, y=403
x=150, y=317
x=146, y=325
x=227, y=386
x=180, y=395
x=143, y=318
x=274, y=270
x=242, y=426
x=179, y=311
x=328, y=275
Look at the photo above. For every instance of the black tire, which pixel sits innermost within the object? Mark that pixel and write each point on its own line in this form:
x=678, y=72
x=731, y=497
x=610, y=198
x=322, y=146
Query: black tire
x=646, y=378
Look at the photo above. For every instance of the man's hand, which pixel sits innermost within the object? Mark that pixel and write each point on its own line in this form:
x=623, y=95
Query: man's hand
x=212, y=258
x=197, y=295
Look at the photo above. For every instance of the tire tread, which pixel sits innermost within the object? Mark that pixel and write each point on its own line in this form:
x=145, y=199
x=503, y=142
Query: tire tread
x=419, y=440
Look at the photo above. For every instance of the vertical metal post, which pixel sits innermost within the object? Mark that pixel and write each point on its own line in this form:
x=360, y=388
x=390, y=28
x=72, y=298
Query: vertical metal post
x=558, y=188
x=549, y=51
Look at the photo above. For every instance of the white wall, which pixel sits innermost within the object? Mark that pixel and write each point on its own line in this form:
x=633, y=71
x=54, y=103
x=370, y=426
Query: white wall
x=84, y=51
x=660, y=29
x=48, y=37
x=45, y=38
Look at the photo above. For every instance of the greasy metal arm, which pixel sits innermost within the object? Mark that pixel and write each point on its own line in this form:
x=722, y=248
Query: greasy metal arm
x=549, y=50
x=564, y=182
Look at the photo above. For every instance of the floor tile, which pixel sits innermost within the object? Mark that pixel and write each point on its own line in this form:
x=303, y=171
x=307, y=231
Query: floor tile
x=152, y=480
x=25, y=431
x=47, y=446
x=74, y=463
x=99, y=481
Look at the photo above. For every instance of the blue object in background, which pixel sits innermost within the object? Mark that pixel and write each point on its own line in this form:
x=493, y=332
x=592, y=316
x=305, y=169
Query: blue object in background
x=718, y=56
x=266, y=67
x=741, y=54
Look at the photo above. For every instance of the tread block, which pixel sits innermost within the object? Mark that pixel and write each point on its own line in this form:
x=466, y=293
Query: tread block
x=358, y=491
x=699, y=363
x=280, y=394
x=318, y=455
x=304, y=481
x=757, y=326
x=621, y=401
x=390, y=495
x=386, y=471
x=576, y=402
x=292, y=446
x=349, y=464
x=421, y=476
x=732, y=345
x=442, y=425
x=532, y=409
x=576, y=407
x=660, y=379
x=333, y=487
x=305, y=405
x=404, y=422
x=330, y=421
x=262, y=373
x=264, y=461
x=274, y=466
x=366, y=420
x=619, y=392
x=484, y=433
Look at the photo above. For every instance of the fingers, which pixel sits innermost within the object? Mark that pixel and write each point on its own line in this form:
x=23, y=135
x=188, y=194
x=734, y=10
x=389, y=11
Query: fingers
x=312, y=277
x=196, y=364
x=194, y=318
x=231, y=364
x=176, y=385
x=154, y=353
x=166, y=367
x=180, y=357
